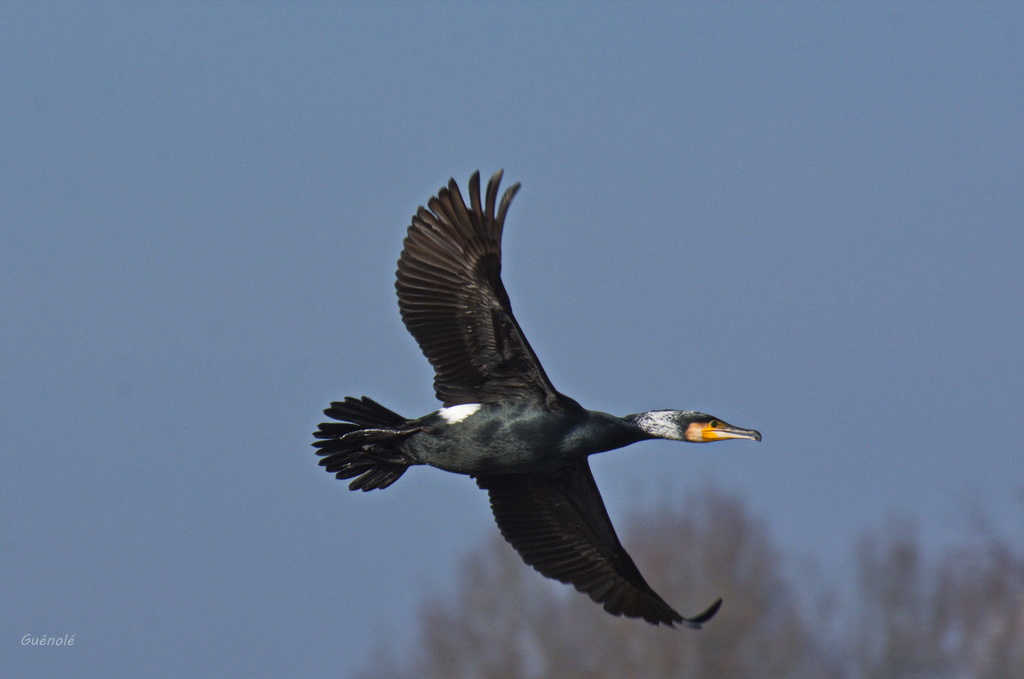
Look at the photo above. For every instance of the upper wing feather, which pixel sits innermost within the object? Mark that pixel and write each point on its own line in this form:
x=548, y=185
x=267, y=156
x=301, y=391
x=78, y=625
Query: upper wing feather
x=454, y=304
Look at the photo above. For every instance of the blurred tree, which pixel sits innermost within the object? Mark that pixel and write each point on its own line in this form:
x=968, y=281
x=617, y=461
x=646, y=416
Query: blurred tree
x=962, y=618
x=507, y=621
x=958, y=616
x=896, y=634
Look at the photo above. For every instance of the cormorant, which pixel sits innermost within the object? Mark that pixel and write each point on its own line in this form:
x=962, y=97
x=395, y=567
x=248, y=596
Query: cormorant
x=503, y=423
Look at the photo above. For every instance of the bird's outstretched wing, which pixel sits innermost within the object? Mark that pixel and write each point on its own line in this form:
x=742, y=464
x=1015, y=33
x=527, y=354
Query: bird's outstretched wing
x=558, y=524
x=454, y=304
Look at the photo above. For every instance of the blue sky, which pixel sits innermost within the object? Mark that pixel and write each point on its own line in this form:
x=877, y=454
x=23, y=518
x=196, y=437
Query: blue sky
x=803, y=218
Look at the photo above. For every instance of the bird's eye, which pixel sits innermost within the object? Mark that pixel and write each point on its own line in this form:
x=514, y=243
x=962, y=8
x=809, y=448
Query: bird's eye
x=713, y=424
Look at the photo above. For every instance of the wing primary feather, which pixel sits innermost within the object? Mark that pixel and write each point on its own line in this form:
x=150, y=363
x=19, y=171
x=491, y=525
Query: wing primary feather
x=492, y=192
x=474, y=197
x=506, y=201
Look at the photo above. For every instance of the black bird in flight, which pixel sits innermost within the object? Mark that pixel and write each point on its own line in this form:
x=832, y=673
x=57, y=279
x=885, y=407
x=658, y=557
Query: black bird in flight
x=503, y=423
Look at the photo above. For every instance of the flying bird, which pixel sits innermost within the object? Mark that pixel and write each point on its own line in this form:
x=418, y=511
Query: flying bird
x=502, y=421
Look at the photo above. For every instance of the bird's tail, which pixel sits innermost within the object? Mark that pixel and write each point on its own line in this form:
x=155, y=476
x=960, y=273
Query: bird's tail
x=364, y=443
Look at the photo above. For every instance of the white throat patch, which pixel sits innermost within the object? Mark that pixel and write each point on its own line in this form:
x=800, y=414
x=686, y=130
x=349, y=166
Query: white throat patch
x=660, y=423
x=453, y=414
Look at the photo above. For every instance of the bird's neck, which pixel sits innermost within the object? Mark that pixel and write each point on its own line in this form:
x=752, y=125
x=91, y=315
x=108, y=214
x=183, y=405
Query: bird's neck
x=600, y=431
x=657, y=424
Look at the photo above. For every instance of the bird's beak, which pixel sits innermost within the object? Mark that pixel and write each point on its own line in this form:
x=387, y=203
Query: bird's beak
x=726, y=431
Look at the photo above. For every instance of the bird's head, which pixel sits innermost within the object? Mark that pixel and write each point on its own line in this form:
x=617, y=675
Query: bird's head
x=689, y=425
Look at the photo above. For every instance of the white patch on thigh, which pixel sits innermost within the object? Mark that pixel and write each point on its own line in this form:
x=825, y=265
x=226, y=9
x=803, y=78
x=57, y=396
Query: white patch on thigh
x=453, y=414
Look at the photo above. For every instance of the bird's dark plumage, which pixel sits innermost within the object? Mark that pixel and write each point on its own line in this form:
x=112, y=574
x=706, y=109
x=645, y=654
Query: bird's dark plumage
x=558, y=524
x=503, y=422
x=453, y=302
